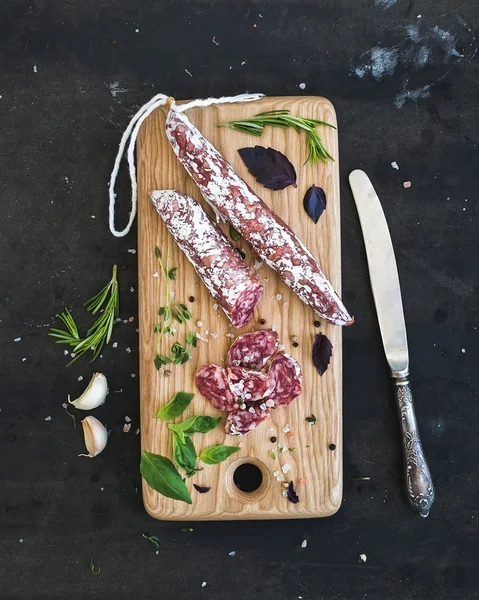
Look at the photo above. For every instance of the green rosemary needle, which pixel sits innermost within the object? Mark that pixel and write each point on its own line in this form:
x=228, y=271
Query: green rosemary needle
x=282, y=118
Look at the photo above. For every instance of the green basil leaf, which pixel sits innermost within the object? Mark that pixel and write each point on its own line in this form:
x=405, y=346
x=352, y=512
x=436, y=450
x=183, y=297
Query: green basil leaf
x=157, y=252
x=184, y=454
x=172, y=273
x=216, y=454
x=199, y=424
x=177, y=432
x=178, y=404
x=161, y=475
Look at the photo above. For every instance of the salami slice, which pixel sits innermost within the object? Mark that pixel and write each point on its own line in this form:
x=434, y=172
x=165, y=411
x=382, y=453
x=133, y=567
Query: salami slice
x=252, y=350
x=248, y=385
x=212, y=382
x=286, y=374
x=233, y=285
x=241, y=422
x=268, y=234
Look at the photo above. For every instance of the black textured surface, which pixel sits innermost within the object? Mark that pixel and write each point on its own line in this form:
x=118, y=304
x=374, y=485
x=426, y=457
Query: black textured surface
x=60, y=129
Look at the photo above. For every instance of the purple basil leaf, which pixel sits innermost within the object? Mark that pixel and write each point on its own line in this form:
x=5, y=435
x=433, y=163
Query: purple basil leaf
x=315, y=202
x=269, y=166
x=322, y=351
x=292, y=495
x=200, y=489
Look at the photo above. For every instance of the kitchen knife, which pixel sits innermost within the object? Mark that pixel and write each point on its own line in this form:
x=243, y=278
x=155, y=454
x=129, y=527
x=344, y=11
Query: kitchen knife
x=387, y=298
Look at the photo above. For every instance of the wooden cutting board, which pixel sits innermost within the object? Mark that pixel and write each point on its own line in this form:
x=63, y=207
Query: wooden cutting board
x=317, y=458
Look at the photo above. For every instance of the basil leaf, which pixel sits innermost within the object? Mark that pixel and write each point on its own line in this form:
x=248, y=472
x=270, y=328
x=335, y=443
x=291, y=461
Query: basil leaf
x=322, y=351
x=177, y=405
x=216, y=454
x=177, y=432
x=199, y=424
x=161, y=475
x=184, y=455
x=269, y=166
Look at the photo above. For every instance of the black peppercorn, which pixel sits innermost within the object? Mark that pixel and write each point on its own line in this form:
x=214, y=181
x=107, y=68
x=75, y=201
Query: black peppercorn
x=317, y=324
x=332, y=446
x=262, y=321
x=191, y=299
x=295, y=344
x=272, y=440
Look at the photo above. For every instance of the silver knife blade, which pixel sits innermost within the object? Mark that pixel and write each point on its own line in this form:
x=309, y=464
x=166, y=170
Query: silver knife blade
x=382, y=271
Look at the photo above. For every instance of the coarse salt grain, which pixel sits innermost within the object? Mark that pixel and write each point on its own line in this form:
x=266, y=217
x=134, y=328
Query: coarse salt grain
x=394, y=165
x=302, y=86
x=132, y=289
x=114, y=345
x=363, y=558
x=214, y=335
x=257, y=265
x=203, y=584
x=251, y=410
x=284, y=493
x=241, y=445
x=286, y=468
x=133, y=374
x=72, y=354
x=304, y=543
x=127, y=419
x=275, y=473
x=286, y=428
x=48, y=418
x=278, y=297
x=233, y=553
x=200, y=337
x=269, y=403
x=131, y=250
x=137, y=432
x=19, y=339
x=230, y=335
x=406, y=184
x=131, y=319
x=263, y=406
x=24, y=359
x=128, y=349
x=126, y=427
x=65, y=352
x=155, y=274
x=270, y=429
x=463, y=350
x=215, y=306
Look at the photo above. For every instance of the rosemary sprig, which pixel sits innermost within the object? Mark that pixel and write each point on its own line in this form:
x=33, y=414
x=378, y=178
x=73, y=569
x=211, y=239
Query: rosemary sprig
x=99, y=333
x=282, y=118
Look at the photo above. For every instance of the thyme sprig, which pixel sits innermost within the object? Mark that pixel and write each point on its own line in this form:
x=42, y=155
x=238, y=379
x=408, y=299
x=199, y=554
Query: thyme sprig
x=283, y=118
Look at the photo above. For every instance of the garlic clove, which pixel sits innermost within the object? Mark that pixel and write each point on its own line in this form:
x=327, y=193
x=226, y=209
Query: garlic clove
x=94, y=395
x=96, y=436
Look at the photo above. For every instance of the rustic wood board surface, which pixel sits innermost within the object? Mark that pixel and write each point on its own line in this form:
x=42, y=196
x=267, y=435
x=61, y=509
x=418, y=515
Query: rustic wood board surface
x=313, y=460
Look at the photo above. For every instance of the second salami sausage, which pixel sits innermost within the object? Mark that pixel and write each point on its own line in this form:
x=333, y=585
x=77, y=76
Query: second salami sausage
x=229, y=280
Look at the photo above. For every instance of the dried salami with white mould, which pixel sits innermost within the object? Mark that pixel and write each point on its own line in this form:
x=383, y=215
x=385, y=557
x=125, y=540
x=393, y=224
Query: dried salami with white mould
x=268, y=234
x=248, y=385
x=241, y=422
x=212, y=381
x=252, y=350
x=233, y=285
x=288, y=380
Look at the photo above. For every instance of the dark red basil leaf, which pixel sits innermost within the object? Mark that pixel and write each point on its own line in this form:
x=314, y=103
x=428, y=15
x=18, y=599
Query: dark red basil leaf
x=200, y=489
x=322, y=351
x=292, y=495
x=269, y=166
x=315, y=202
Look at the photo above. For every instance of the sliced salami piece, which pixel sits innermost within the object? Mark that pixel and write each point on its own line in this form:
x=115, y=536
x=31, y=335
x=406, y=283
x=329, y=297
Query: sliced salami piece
x=267, y=233
x=286, y=374
x=212, y=382
x=241, y=422
x=252, y=350
x=233, y=285
x=248, y=385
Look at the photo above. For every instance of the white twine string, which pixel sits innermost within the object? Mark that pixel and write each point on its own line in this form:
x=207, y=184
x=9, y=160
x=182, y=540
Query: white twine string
x=131, y=134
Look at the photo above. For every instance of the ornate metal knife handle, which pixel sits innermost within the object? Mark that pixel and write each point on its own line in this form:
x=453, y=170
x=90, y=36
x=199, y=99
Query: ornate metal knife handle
x=418, y=480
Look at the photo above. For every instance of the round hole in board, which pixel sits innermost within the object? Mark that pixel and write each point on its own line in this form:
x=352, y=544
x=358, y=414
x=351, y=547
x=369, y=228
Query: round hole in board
x=247, y=477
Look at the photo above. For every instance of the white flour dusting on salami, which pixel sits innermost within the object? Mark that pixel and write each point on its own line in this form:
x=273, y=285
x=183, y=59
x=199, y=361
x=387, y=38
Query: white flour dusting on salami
x=229, y=280
x=274, y=242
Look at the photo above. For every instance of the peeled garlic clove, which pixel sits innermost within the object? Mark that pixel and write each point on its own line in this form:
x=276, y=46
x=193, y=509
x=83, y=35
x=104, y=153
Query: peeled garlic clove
x=96, y=436
x=94, y=395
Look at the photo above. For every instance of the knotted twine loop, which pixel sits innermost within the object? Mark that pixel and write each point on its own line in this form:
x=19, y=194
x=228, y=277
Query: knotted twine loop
x=130, y=136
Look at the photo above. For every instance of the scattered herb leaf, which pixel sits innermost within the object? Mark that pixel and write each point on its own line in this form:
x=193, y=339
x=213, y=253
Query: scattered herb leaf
x=314, y=202
x=234, y=235
x=199, y=424
x=191, y=339
x=216, y=454
x=269, y=166
x=161, y=475
x=93, y=568
x=179, y=354
x=172, y=273
x=187, y=529
x=282, y=118
x=153, y=539
x=272, y=454
x=161, y=360
x=322, y=351
x=177, y=432
x=292, y=495
x=184, y=454
x=201, y=489
x=157, y=252
x=175, y=407
x=311, y=419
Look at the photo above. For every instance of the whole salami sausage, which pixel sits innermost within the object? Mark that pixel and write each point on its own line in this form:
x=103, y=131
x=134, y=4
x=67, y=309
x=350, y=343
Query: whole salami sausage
x=212, y=381
x=267, y=233
x=252, y=350
x=241, y=422
x=229, y=280
x=288, y=381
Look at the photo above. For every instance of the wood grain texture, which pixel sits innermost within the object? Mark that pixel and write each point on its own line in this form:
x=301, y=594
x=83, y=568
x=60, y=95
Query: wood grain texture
x=158, y=168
